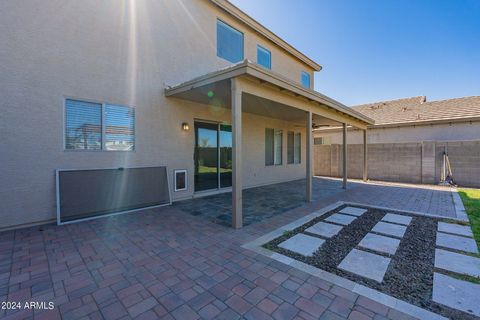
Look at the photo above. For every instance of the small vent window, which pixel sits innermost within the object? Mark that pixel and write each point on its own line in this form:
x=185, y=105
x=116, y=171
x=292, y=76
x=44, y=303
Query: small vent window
x=322, y=140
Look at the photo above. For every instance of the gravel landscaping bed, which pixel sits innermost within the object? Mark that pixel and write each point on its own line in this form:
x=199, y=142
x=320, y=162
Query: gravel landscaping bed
x=409, y=276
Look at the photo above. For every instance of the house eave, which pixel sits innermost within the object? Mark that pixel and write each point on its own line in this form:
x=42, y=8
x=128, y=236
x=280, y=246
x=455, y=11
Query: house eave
x=247, y=68
x=409, y=124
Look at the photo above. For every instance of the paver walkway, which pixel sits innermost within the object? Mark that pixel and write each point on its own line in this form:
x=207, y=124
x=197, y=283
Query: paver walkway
x=447, y=290
x=167, y=263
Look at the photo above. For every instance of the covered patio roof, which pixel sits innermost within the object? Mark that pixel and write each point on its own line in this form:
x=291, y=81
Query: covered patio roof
x=216, y=86
x=250, y=88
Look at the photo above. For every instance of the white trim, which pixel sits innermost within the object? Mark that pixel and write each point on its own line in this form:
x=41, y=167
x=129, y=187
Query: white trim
x=175, y=179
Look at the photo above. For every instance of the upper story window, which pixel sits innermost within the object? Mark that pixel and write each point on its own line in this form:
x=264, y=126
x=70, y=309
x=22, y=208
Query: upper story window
x=96, y=126
x=229, y=42
x=264, y=57
x=305, y=79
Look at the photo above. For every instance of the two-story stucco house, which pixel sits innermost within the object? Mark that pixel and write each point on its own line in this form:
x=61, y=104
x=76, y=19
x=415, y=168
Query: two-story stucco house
x=193, y=85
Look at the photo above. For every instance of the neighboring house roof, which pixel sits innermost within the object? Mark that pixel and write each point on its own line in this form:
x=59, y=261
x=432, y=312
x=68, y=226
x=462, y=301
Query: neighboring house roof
x=258, y=27
x=417, y=109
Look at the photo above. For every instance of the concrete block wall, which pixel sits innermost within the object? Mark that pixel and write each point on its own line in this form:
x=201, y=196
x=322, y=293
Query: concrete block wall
x=464, y=158
x=403, y=162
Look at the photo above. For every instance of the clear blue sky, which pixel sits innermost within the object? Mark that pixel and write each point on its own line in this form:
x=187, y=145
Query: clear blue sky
x=373, y=50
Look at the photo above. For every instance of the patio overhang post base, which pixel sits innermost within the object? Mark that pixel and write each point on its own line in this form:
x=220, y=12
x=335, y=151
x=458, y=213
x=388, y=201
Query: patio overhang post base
x=237, y=214
x=309, y=163
x=365, y=156
x=344, y=154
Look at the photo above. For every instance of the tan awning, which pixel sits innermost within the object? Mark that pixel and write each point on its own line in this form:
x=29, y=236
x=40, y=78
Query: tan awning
x=217, y=85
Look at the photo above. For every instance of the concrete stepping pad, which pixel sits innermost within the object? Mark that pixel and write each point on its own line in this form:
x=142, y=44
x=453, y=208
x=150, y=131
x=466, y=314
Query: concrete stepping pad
x=456, y=262
x=379, y=243
x=353, y=211
x=455, y=229
x=390, y=229
x=456, y=294
x=397, y=218
x=456, y=242
x=365, y=264
x=341, y=219
x=323, y=229
x=302, y=244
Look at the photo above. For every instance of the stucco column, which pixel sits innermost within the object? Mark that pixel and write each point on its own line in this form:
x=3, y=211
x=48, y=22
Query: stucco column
x=365, y=156
x=309, y=162
x=344, y=158
x=237, y=214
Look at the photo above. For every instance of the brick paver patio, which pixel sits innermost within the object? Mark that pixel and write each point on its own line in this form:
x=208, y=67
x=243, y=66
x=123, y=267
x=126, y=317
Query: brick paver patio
x=167, y=263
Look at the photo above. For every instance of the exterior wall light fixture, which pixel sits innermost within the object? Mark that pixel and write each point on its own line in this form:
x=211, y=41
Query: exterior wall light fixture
x=185, y=126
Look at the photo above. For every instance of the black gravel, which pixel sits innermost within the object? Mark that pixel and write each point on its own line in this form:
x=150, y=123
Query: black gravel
x=409, y=276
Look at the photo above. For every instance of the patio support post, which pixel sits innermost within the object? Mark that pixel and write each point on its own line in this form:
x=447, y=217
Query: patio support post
x=344, y=158
x=365, y=156
x=309, y=162
x=237, y=214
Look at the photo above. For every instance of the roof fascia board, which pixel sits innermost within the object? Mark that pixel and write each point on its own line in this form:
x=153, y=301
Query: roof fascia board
x=409, y=124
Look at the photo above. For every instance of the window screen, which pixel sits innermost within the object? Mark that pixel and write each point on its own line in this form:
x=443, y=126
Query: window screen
x=264, y=57
x=229, y=42
x=83, y=125
x=119, y=128
x=305, y=79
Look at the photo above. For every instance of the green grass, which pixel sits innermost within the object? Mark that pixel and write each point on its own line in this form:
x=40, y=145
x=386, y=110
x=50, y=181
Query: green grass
x=471, y=201
x=203, y=169
x=462, y=277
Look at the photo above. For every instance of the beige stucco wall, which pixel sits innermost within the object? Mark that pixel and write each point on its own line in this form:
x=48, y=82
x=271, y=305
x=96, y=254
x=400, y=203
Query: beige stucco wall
x=461, y=131
x=120, y=52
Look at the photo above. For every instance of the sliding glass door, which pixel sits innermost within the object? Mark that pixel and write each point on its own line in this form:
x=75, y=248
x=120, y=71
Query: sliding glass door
x=225, y=156
x=212, y=156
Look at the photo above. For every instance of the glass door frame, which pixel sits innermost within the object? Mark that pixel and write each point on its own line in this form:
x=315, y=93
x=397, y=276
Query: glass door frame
x=195, y=158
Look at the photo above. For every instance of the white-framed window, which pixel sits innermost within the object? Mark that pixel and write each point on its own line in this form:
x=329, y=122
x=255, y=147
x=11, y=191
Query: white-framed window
x=229, y=42
x=322, y=140
x=273, y=146
x=305, y=79
x=264, y=57
x=294, y=148
x=97, y=126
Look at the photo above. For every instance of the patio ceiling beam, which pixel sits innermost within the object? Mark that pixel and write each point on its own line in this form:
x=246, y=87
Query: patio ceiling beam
x=237, y=200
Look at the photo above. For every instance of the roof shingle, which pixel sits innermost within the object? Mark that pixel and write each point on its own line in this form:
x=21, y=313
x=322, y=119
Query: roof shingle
x=417, y=109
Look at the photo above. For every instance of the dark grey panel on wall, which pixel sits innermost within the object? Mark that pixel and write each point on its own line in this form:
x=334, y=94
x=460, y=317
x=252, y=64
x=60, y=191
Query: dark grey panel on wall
x=91, y=193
